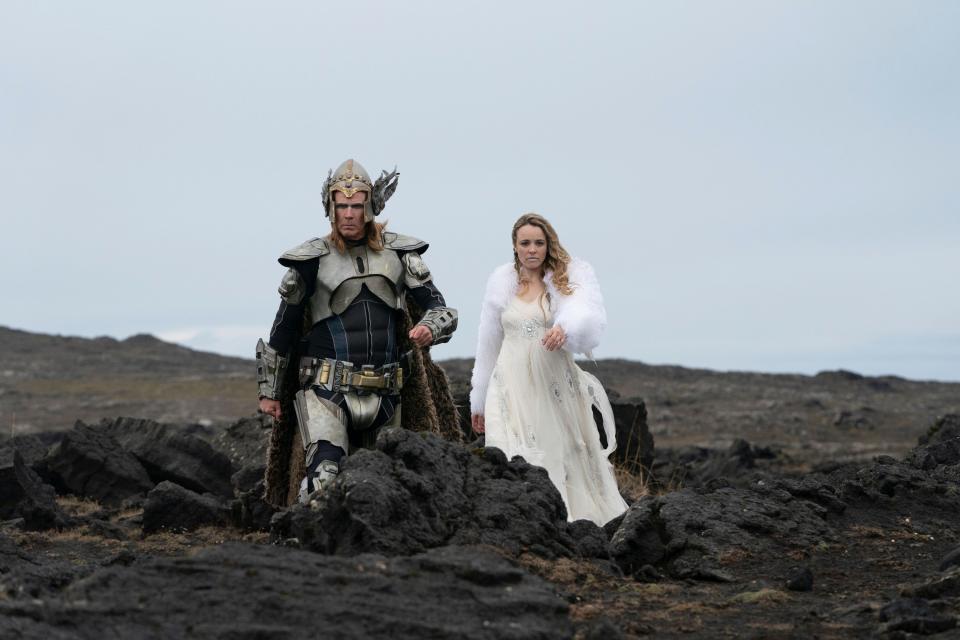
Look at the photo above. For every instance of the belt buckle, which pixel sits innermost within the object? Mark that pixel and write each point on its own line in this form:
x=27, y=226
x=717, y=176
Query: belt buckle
x=367, y=378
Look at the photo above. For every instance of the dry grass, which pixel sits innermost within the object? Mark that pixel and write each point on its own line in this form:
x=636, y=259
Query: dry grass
x=867, y=532
x=170, y=543
x=586, y=611
x=798, y=555
x=733, y=556
x=568, y=572
x=762, y=596
x=76, y=506
x=633, y=485
x=690, y=608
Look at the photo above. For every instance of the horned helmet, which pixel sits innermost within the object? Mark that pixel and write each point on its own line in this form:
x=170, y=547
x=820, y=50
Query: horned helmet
x=349, y=178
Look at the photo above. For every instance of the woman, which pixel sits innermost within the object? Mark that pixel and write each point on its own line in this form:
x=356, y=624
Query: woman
x=528, y=395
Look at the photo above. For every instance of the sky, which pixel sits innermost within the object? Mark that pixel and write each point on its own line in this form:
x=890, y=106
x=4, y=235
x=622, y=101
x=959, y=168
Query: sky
x=764, y=186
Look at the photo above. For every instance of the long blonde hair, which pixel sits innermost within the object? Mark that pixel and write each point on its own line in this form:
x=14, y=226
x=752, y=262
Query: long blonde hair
x=557, y=258
x=373, y=232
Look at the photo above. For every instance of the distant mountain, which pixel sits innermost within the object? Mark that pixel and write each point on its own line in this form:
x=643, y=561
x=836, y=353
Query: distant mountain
x=38, y=355
x=48, y=381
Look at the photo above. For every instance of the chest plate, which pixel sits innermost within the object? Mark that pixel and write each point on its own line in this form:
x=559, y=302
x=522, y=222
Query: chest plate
x=340, y=277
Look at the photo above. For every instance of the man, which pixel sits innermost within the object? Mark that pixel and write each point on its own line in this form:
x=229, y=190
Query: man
x=342, y=300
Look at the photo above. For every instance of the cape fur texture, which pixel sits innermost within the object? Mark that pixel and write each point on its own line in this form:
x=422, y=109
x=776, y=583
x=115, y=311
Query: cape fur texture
x=581, y=315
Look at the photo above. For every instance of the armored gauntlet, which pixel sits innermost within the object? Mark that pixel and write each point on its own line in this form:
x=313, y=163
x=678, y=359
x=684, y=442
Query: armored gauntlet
x=271, y=368
x=442, y=322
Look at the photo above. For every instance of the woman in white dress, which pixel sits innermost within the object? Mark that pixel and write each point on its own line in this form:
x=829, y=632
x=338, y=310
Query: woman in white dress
x=528, y=396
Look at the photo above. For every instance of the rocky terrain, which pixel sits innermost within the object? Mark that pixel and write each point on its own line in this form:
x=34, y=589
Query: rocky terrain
x=138, y=527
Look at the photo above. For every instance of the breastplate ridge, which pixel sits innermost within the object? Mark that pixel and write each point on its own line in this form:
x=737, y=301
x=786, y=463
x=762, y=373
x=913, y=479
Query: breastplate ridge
x=341, y=276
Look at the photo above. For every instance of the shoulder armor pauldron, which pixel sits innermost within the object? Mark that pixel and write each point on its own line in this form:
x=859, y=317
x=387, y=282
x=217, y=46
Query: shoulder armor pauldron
x=399, y=242
x=313, y=248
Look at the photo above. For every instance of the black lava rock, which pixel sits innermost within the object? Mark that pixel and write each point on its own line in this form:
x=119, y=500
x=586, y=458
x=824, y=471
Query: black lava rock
x=170, y=452
x=800, y=579
x=689, y=532
x=417, y=491
x=39, y=506
x=250, y=591
x=92, y=464
x=952, y=559
x=915, y=615
x=170, y=506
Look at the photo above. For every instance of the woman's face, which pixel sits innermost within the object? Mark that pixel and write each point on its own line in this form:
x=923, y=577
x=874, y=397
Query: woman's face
x=531, y=246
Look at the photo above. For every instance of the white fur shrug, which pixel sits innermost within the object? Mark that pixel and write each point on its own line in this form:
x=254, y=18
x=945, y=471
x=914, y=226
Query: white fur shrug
x=580, y=314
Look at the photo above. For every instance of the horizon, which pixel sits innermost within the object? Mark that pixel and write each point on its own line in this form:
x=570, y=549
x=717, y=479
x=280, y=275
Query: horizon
x=581, y=359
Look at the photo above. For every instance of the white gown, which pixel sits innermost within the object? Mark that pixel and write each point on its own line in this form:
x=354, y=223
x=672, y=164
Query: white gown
x=538, y=406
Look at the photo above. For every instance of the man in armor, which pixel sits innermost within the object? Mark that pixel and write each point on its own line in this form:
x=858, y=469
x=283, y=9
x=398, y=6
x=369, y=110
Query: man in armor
x=342, y=299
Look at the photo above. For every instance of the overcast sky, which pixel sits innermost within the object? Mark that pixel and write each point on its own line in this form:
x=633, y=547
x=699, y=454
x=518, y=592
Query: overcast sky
x=767, y=186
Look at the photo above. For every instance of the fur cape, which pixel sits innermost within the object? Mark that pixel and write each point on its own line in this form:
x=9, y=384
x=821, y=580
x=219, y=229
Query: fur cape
x=581, y=315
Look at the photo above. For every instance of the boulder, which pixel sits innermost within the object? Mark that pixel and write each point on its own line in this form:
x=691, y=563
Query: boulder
x=800, y=579
x=245, y=441
x=250, y=511
x=32, y=448
x=935, y=453
x=416, y=491
x=635, y=446
x=915, y=615
x=90, y=463
x=248, y=476
x=952, y=559
x=695, y=466
x=690, y=533
x=39, y=506
x=941, y=586
x=946, y=427
x=169, y=452
x=172, y=507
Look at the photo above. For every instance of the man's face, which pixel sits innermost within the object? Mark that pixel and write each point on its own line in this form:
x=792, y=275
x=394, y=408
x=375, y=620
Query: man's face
x=531, y=246
x=349, y=214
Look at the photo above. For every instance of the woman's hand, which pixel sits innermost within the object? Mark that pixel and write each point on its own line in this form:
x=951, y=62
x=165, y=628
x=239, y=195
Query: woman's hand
x=554, y=338
x=478, y=424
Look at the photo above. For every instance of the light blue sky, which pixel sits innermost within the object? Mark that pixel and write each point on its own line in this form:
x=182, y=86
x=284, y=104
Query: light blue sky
x=760, y=185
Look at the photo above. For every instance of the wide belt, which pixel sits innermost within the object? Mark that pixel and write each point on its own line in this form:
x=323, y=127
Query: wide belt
x=341, y=376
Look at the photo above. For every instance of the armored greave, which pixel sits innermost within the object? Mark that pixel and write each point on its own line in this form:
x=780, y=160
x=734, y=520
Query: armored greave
x=325, y=420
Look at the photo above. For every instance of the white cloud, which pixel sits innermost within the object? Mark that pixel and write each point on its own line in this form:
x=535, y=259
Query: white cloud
x=231, y=340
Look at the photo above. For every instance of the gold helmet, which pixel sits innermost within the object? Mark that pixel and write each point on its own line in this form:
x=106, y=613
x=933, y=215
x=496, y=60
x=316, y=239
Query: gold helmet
x=349, y=178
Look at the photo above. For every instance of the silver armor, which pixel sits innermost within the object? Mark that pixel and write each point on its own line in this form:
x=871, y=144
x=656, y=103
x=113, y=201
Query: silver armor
x=271, y=368
x=442, y=322
x=341, y=276
x=319, y=419
x=325, y=474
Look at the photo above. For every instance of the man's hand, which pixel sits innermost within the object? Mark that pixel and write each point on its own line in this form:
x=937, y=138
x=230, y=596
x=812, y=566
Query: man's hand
x=270, y=407
x=478, y=424
x=554, y=338
x=421, y=335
